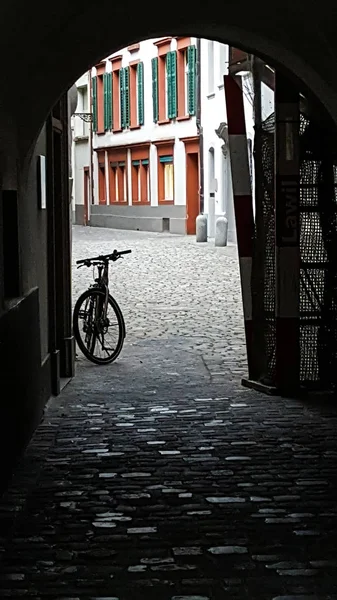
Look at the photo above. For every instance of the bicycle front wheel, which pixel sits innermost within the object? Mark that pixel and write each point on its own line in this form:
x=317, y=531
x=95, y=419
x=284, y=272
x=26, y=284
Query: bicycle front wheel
x=100, y=338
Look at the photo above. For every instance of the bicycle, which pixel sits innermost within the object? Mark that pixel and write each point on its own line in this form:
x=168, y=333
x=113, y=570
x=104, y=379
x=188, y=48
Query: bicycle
x=92, y=309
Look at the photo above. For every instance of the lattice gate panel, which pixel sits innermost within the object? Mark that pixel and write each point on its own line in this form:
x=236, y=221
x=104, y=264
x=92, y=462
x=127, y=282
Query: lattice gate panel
x=318, y=249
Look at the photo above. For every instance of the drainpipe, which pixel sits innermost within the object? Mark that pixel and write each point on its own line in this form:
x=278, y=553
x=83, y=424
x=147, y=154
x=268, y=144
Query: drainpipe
x=91, y=179
x=200, y=130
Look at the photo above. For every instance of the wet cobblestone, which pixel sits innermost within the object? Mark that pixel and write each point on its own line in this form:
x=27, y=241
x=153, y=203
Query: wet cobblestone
x=156, y=510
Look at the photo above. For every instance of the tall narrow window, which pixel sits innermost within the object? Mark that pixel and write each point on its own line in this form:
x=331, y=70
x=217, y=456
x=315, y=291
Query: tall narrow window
x=168, y=179
x=162, y=89
x=140, y=178
x=115, y=111
x=223, y=62
x=100, y=103
x=165, y=174
x=136, y=95
x=94, y=103
x=118, y=188
x=186, y=77
x=210, y=67
x=101, y=181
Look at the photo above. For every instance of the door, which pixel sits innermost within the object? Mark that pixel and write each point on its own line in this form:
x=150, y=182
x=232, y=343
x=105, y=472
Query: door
x=61, y=340
x=86, y=183
x=192, y=191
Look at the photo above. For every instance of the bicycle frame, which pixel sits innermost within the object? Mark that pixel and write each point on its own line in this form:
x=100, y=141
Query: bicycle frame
x=103, y=283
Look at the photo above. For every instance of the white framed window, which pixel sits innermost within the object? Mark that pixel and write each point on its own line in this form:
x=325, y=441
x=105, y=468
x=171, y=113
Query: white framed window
x=210, y=67
x=169, y=181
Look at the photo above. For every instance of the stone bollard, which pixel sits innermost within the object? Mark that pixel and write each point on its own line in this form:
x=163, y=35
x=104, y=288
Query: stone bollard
x=221, y=231
x=201, y=228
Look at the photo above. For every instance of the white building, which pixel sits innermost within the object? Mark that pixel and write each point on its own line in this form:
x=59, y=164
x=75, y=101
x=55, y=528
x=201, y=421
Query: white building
x=218, y=195
x=81, y=153
x=145, y=156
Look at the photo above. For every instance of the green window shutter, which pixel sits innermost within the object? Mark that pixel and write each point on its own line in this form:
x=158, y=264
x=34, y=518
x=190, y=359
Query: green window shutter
x=105, y=95
x=122, y=104
x=127, y=96
x=168, y=85
x=110, y=101
x=173, y=85
x=94, y=103
x=155, y=102
x=191, y=59
x=140, y=90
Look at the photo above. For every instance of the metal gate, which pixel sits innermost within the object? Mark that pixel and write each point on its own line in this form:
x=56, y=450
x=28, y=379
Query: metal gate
x=318, y=250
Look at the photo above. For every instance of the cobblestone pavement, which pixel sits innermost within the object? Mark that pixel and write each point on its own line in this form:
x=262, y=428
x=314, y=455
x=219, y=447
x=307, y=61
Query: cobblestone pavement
x=154, y=479
x=172, y=288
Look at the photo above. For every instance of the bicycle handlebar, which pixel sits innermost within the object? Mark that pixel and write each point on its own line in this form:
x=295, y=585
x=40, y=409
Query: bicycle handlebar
x=115, y=255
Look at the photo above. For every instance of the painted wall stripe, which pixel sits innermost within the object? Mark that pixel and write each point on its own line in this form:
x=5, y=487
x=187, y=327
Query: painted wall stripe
x=241, y=173
x=246, y=274
x=243, y=202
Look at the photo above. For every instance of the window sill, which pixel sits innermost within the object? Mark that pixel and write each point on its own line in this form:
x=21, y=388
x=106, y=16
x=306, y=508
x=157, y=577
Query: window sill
x=132, y=127
x=221, y=86
x=119, y=130
x=165, y=201
x=81, y=138
x=184, y=118
x=140, y=202
x=100, y=132
x=210, y=96
x=163, y=121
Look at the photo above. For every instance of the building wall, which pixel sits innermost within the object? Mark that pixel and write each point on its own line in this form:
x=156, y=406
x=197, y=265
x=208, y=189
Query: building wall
x=116, y=140
x=214, y=65
x=24, y=357
x=80, y=130
x=148, y=137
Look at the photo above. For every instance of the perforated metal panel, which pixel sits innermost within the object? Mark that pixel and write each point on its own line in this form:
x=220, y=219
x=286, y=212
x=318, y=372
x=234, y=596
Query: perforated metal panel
x=318, y=250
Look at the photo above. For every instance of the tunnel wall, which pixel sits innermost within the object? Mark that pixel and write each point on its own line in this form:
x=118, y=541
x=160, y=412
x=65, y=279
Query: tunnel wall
x=24, y=357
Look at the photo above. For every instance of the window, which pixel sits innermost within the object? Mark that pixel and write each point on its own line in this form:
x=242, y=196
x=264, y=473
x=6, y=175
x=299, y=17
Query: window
x=210, y=67
x=136, y=94
x=140, y=181
x=164, y=85
x=81, y=128
x=186, y=81
x=165, y=173
x=101, y=179
x=99, y=98
x=140, y=175
x=118, y=189
x=168, y=177
x=223, y=62
x=186, y=77
x=116, y=67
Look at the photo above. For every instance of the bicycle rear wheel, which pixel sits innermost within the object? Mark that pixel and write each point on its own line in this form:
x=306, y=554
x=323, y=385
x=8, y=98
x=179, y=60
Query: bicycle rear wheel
x=91, y=329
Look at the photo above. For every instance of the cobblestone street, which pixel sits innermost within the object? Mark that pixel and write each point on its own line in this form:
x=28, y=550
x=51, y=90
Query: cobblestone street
x=173, y=290
x=161, y=478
